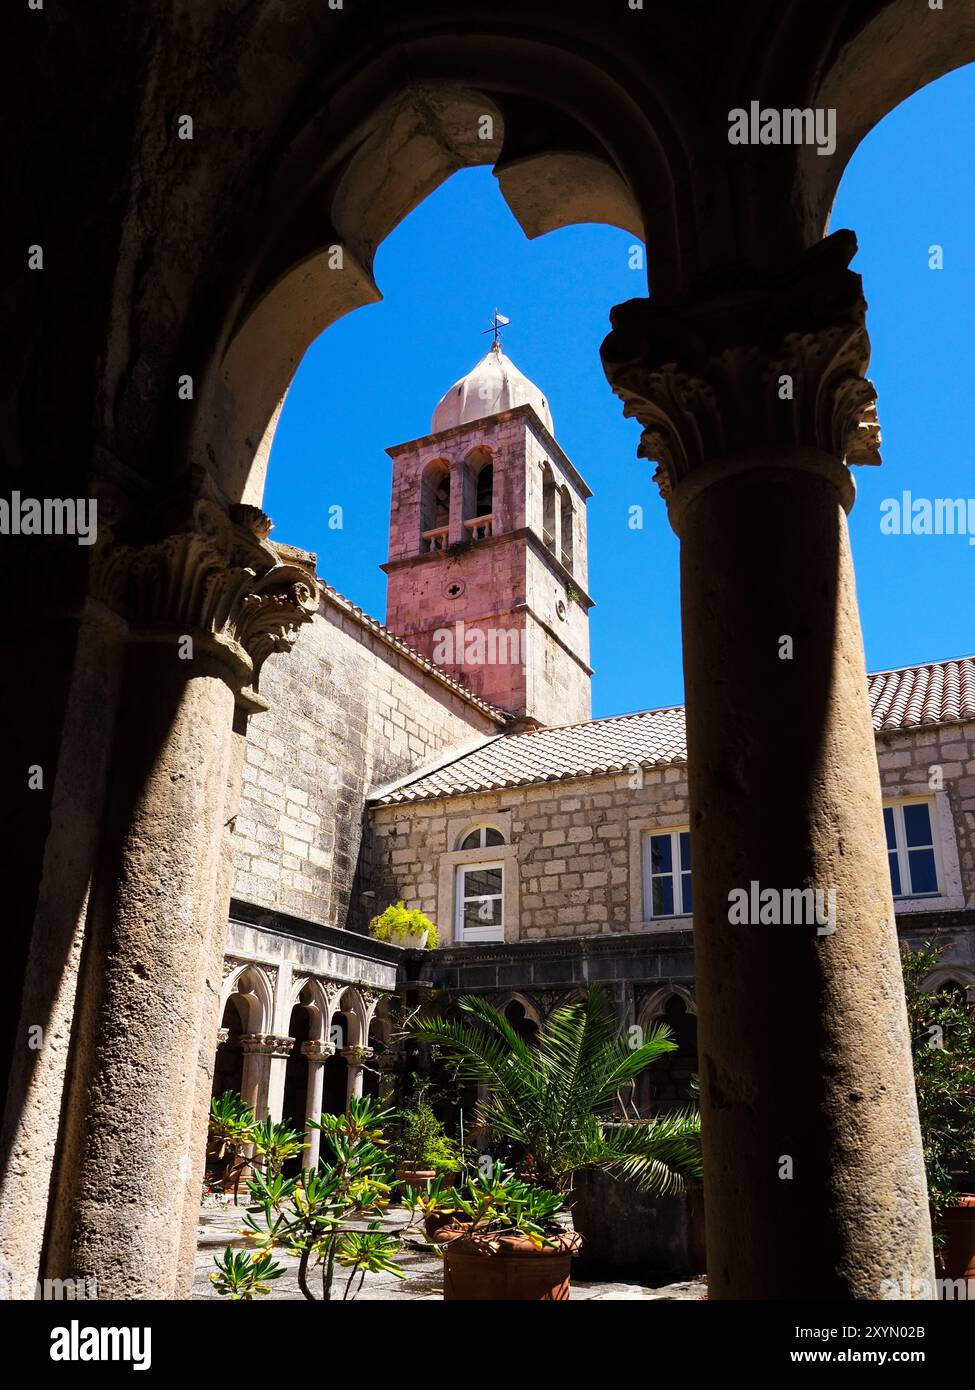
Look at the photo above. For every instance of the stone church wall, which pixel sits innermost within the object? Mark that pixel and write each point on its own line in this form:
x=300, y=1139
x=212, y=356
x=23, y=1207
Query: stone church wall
x=348, y=712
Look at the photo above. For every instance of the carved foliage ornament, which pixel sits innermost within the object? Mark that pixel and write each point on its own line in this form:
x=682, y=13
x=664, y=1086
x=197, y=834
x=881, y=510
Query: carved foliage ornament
x=705, y=376
x=212, y=575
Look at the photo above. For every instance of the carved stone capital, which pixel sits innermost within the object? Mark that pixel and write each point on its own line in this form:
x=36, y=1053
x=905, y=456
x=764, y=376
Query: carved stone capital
x=210, y=574
x=355, y=1056
x=318, y=1051
x=761, y=368
x=267, y=1044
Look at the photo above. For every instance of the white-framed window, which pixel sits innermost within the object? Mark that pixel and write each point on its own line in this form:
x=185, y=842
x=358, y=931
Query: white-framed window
x=480, y=902
x=911, y=850
x=666, y=874
x=482, y=837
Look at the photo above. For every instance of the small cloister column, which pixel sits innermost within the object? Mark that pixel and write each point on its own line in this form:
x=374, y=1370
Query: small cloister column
x=318, y=1054
x=265, y=1059
x=356, y=1057
x=207, y=599
x=753, y=400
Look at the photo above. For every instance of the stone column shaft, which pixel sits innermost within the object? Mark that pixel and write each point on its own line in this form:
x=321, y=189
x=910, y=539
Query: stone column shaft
x=317, y=1054
x=207, y=599
x=148, y=947
x=751, y=401
x=355, y=1057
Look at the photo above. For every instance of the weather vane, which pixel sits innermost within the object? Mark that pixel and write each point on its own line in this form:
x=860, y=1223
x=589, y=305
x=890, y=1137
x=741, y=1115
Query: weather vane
x=499, y=322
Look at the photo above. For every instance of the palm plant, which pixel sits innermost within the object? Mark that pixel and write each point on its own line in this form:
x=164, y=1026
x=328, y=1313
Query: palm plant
x=556, y=1098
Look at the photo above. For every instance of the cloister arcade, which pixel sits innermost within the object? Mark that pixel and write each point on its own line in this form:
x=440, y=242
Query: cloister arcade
x=216, y=259
x=335, y=1036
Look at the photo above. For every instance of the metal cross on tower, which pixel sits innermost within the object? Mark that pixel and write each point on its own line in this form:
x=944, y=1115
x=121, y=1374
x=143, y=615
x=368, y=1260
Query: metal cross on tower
x=499, y=322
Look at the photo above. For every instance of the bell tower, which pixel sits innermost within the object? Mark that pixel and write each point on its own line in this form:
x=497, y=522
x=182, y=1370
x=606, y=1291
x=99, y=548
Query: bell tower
x=488, y=567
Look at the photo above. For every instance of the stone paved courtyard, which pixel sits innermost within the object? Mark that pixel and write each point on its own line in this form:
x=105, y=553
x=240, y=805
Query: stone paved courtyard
x=220, y=1226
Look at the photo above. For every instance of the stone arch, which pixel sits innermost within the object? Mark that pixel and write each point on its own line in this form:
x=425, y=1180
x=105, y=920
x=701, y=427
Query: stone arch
x=549, y=506
x=310, y=992
x=566, y=525
x=481, y=825
x=901, y=49
x=522, y=1012
x=228, y=1065
x=947, y=975
x=478, y=483
x=574, y=996
x=256, y=992
x=356, y=1015
x=302, y=279
x=435, y=488
x=654, y=1004
x=667, y=1082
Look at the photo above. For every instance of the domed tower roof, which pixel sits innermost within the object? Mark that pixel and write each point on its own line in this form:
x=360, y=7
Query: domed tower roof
x=493, y=385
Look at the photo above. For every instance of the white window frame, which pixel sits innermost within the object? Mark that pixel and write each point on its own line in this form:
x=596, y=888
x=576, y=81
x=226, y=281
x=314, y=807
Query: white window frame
x=493, y=932
x=901, y=848
x=481, y=830
x=648, y=875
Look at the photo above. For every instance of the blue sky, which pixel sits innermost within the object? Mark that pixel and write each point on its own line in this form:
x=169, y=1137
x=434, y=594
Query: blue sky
x=374, y=378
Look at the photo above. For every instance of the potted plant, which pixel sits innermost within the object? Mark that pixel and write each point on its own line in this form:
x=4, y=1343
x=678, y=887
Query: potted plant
x=447, y=1159
x=417, y=1147
x=555, y=1100
x=501, y=1238
x=942, y=1025
x=231, y=1134
x=404, y=926
x=319, y=1217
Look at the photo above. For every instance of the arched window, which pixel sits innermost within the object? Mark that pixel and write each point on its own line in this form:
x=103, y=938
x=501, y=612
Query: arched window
x=566, y=537
x=483, y=837
x=548, y=507
x=479, y=494
x=479, y=888
x=521, y=1021
x=435, y=507
x=667, y=1085
x=484, y=498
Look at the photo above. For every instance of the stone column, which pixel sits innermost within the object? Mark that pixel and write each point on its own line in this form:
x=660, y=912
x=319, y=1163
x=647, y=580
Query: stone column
x=207, y=600
x=752, y=402
x=318, y=1054
x=356, y=1058
x=280, y=1051
x=265, y=1059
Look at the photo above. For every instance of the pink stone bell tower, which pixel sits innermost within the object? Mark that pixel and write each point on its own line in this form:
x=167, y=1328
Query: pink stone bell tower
x=488, y=567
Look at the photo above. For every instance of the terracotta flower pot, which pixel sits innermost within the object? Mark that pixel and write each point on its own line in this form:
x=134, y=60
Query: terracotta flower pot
x=441, y=1228
x=515, y=1272
x=409, y=1175
x=958, y=1221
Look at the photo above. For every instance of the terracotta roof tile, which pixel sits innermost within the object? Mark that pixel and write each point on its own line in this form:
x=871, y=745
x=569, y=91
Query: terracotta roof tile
x=938, y=693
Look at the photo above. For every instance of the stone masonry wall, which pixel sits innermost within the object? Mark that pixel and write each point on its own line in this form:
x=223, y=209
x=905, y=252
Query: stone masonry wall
x=348, y=712
x=575, y=845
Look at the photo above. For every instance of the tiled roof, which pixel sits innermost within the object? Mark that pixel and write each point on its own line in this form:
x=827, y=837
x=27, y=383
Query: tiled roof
x=651, y=739
x=939, y=693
